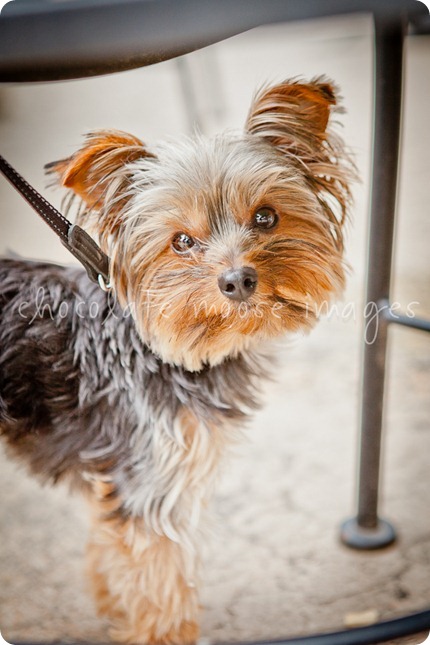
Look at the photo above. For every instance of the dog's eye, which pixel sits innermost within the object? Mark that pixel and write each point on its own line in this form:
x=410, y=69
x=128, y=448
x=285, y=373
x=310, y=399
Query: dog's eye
x=182, y=243
x=265, y=218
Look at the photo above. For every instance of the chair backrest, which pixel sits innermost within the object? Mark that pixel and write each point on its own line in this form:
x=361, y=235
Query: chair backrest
x=41, y=40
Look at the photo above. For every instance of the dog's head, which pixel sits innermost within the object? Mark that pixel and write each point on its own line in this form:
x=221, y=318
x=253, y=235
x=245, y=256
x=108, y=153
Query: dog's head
x=218, y=243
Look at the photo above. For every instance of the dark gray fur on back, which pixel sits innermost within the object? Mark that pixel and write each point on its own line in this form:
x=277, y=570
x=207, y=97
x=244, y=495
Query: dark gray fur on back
x=79, y=390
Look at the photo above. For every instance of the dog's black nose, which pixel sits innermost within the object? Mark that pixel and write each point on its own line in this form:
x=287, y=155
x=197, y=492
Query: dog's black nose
x=238, y=284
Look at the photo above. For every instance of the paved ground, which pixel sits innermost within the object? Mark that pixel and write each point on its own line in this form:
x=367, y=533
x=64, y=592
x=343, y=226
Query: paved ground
x=274, y=565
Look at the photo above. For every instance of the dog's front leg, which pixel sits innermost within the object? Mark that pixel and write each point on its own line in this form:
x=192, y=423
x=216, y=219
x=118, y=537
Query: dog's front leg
x=143, y=582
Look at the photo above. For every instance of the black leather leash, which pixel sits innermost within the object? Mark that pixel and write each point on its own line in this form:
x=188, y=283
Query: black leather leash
x=73, y=237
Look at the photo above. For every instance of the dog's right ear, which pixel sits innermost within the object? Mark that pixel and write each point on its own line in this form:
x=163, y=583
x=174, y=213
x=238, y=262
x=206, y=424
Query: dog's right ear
x=98, y=171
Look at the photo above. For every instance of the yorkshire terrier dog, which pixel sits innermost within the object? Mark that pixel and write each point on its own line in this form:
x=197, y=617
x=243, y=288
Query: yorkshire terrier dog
x=216, y=246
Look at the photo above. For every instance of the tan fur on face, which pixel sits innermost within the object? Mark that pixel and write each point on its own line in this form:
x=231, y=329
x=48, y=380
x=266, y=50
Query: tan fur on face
x=287, y=160
x=178, y=307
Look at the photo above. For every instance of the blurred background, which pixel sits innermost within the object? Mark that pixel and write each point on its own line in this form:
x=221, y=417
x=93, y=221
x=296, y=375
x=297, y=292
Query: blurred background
x=274, y=565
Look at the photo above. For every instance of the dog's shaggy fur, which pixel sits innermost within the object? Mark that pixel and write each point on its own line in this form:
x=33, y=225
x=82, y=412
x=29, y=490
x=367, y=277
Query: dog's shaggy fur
x=216, y=246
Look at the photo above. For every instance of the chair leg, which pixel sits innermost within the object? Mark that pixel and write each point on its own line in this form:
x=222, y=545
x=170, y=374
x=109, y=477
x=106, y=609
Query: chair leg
x=367, y=530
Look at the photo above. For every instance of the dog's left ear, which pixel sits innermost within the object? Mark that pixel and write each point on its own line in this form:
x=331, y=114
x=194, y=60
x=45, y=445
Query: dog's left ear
x=293, y=116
